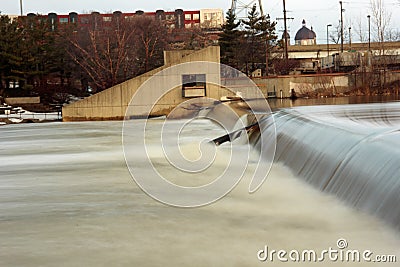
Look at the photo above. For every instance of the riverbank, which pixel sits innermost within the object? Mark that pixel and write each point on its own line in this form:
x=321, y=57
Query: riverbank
x=20, y=115
x=277, y=103
x=274, y=103
x=6, y=121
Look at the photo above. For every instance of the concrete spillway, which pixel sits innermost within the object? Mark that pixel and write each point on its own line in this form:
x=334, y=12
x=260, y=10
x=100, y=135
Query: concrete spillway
x=351, y=151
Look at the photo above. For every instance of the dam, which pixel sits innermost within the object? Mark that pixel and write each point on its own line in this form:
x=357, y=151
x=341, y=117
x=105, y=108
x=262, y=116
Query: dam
x=190, y=74
x=348, y=151
x=67, y=197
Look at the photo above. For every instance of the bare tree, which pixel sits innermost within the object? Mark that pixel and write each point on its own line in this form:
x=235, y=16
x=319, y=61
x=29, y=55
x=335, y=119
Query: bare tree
x=381, y=18
x=151, y=41
x=359, y=29
x=102, y=55
x=392, y=35
x=335, y=35
x=117, y=51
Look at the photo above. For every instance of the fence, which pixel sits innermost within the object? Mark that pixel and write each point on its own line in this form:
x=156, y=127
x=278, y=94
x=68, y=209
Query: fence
x=33, y=116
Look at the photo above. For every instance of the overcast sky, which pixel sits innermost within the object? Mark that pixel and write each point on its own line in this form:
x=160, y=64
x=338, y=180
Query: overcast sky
x=316, y=13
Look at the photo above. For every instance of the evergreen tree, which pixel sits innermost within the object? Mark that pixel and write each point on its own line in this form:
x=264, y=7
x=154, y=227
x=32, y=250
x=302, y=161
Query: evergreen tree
x=44, y=61
x=36, y=51
x=229, y=40
x=259, y=33
x=268, y=39
x=251, y=31
x=10, y=37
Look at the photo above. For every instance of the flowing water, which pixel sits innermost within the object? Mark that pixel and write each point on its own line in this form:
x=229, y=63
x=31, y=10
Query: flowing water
x=67, y=199
x=276, y=103
x=350, y=151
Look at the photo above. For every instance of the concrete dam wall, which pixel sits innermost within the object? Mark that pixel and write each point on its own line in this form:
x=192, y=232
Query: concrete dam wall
x=111, y=104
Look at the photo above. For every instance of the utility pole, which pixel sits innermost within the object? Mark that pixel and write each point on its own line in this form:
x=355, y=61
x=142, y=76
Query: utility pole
x=341, y=26
x=369, y=33
x=20, y=6
x=285, y=32
x=266, y=55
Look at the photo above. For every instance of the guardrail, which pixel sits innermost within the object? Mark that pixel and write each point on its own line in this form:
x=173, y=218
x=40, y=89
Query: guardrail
x=33, y=116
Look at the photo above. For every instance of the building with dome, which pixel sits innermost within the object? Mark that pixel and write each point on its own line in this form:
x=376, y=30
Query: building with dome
x=305, y=36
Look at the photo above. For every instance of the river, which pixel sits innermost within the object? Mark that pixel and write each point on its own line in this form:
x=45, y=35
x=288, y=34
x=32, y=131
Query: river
x=68, y=199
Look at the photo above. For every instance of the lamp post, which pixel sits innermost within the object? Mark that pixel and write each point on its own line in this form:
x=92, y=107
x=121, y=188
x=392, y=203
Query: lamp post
x=369, y=33
x=341, y=26
x=20, y=6
x=350, y=37
x=327, y=38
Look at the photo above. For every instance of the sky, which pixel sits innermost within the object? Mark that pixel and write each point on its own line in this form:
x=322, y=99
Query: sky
x=317, y=14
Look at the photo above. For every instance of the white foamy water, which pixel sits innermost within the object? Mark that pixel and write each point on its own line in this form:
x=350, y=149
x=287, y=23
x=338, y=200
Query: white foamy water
x=67, y=198
x=350, y=151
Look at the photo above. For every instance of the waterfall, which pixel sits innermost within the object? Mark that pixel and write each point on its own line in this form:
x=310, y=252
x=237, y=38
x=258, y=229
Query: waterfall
x=351, y=151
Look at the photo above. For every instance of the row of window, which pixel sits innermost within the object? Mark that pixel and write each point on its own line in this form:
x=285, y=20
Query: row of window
x=207, y=16
x=109, y=19
x=210, y=16
x=192, y=16
x=195, y=25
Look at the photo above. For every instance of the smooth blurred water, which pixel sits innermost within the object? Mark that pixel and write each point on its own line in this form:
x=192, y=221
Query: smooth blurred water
x=277, y=103
x=67, y=198
x=351, y=151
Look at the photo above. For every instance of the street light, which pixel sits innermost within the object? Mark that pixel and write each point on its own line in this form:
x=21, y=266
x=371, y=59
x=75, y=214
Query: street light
x=369, y=33
x=20, y=6
x=350, y=37
x=327, y=38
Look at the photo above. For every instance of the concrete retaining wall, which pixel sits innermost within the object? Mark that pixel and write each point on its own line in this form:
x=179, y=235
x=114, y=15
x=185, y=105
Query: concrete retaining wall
x=22, y=100
x=112, y=103
x=281, y=86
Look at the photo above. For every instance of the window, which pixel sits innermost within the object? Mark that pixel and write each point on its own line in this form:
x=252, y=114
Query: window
x=107, y=19
x=188, y=17
x=170, y=17
x=193, y=85
x=196, y=16
x=63, y=20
